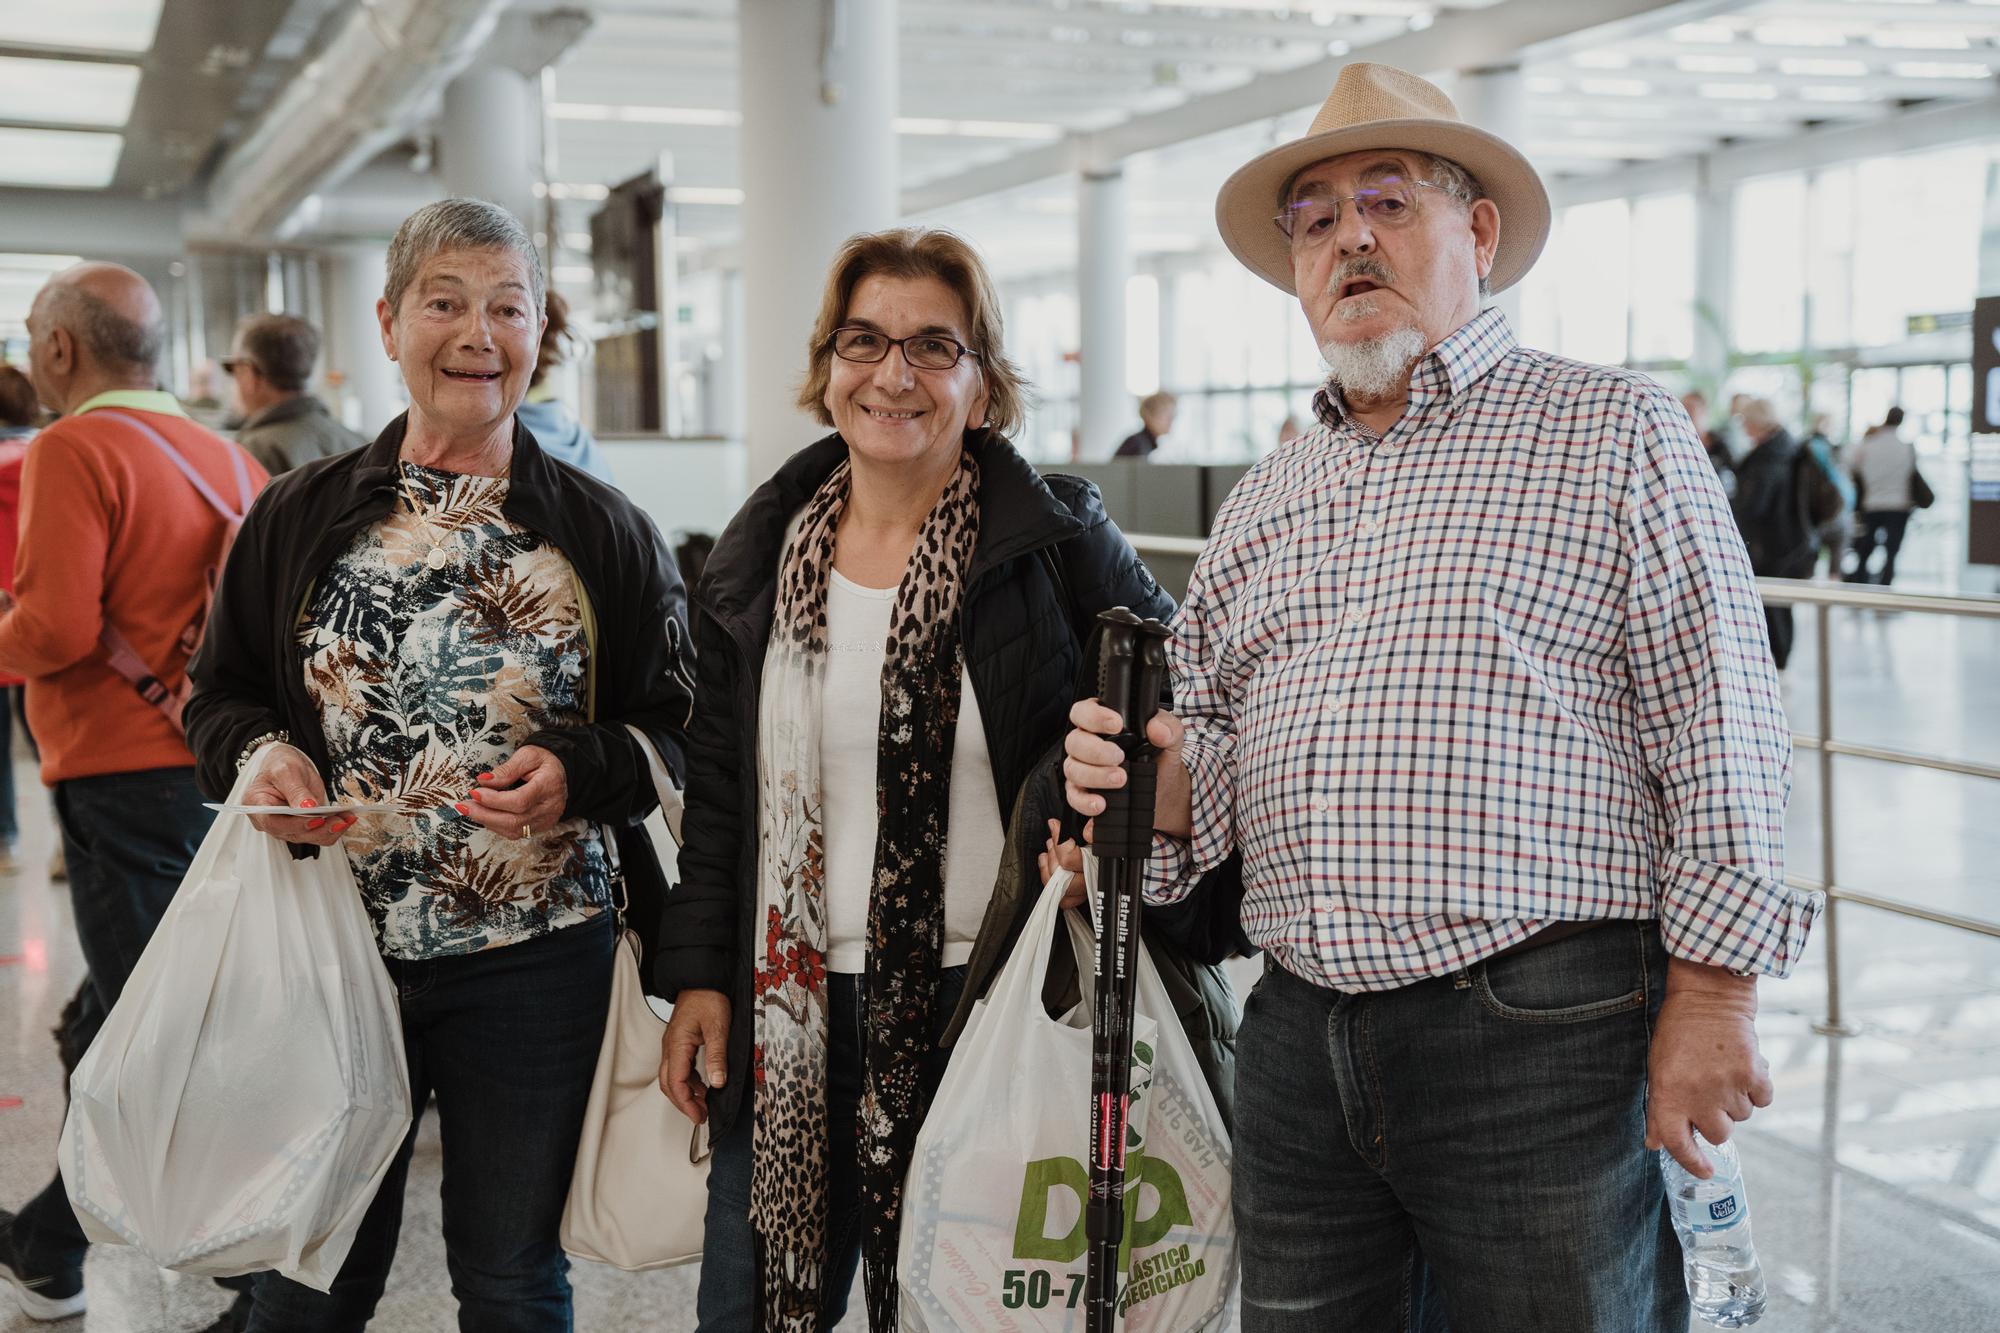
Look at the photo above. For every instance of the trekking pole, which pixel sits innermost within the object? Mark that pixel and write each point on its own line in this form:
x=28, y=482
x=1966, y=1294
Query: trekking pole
x=1131, y=668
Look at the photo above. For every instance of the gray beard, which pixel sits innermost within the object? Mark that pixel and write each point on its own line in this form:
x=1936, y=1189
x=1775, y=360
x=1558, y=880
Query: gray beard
x=1375, y=368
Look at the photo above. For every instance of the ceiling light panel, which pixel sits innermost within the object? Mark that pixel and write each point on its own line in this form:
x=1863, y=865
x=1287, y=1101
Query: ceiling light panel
x=71, y=159
x=123, y=26
x=1717, y=64
x=1823, y=67
x=66, y=92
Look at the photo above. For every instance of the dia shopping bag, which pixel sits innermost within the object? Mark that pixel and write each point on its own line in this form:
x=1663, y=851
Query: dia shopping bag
x=992, y=1232
x=246, y=1094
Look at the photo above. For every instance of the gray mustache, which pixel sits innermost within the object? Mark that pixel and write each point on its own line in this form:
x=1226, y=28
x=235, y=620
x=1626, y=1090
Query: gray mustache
x=1372, y=269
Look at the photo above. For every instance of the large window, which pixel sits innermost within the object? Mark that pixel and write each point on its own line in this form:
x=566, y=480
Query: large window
x=1768, y=273
x=1916, y=238
x=1594, y=281
x=1662, y=293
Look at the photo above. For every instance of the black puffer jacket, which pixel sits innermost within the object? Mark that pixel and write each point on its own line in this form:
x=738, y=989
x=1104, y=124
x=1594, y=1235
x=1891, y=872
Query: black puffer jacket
x=1021, y=652
x=1768, y=510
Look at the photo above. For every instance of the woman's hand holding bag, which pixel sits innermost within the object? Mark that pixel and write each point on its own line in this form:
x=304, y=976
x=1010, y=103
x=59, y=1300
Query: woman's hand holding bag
x=249, y=1090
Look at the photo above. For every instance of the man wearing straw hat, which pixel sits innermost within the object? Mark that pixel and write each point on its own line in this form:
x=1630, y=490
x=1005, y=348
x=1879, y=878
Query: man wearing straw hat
x=1474, y=677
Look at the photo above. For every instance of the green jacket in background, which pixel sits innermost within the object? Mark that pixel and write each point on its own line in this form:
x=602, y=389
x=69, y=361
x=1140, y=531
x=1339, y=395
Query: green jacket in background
x=293, y=433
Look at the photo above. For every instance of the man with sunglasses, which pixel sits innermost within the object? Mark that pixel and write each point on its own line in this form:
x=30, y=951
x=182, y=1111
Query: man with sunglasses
x=1474, y=678
x=284, y=426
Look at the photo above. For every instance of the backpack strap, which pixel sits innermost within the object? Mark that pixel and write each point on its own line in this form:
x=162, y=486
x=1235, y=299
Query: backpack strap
x=199, y=482
x=119, y=654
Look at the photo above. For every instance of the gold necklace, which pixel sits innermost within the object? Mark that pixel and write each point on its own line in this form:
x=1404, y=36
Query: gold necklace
x=438, y=557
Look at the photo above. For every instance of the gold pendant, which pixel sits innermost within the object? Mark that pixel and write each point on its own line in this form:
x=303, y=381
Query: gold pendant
x=437, y=558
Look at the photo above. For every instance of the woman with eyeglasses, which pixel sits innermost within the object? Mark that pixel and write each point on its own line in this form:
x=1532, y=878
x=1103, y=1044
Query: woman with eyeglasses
x=886, y=643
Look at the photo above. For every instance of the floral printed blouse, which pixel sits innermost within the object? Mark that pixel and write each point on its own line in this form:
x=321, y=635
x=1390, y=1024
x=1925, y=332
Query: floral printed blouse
x=439, y=642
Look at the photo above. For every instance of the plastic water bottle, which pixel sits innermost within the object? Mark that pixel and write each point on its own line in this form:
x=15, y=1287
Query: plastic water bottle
x=1712, y=1219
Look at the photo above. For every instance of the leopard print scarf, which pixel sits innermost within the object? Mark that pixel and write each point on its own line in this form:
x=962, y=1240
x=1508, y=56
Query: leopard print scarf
x=919, y=721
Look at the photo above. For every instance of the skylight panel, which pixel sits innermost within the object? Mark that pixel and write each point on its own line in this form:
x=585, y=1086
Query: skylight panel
x=66, y=159
x=66, y=92
x=120, y=26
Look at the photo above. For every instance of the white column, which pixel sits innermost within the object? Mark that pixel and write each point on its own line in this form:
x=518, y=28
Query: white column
x=1714, y=258
x=726, y=387
x=818, y=149
x=490, y=139
x=1107, y=413
x=364, y=387
x=1496, y=100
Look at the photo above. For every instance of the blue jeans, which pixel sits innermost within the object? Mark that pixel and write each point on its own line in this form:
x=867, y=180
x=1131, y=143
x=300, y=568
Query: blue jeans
x=729, y=1294
x=1467, y=1153
x=10, y=822
x=128, y=839
x=507, y=1039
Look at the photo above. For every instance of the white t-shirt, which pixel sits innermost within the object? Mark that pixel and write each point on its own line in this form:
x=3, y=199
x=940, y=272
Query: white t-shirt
x=1882, y=464
x=857, y=637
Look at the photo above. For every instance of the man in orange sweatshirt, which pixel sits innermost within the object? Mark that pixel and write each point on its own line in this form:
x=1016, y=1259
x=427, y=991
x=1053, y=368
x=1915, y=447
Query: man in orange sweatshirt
x=118, y=534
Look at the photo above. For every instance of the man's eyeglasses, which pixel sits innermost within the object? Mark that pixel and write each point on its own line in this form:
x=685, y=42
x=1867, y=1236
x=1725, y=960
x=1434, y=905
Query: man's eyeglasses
x=1311, y=219
x=925, y=351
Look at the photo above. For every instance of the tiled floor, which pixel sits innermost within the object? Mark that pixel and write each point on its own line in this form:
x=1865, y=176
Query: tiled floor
x=1875, y=1178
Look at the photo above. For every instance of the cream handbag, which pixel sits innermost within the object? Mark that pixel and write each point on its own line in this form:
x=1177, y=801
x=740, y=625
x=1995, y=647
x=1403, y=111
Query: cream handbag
x=640, y=1189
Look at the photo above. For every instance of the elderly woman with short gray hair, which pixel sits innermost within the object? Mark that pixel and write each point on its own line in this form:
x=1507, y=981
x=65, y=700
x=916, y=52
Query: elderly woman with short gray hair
x=452, y=624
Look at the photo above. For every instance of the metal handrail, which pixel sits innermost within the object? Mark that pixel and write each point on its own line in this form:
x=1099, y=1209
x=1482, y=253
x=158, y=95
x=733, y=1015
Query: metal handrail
x=1825, y=744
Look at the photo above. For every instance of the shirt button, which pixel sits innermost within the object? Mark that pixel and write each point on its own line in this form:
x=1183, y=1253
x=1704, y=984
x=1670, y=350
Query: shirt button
x=1355, y=615
x=1319, y=804
x=1331, y=704
x=1369, y=526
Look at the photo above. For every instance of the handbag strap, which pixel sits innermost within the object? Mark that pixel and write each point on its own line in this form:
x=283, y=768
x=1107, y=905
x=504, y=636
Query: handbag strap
x=671, y=801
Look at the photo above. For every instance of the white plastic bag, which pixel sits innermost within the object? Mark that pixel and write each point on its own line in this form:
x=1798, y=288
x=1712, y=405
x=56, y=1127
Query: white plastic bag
x=993, y=1233
x=248, y=1091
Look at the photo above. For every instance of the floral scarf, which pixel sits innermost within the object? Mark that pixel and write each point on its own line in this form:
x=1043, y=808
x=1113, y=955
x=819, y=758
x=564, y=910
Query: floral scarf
x=920, y=691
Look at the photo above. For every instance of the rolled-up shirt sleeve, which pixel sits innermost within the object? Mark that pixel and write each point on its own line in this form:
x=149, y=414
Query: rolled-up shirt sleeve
x=1209, y=750
x=1711, y=724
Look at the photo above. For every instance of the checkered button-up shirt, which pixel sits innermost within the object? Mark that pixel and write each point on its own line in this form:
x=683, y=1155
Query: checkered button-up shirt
x=1500, y=667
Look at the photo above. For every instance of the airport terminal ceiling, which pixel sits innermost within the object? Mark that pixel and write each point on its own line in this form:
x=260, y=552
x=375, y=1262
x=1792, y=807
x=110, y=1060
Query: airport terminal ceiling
x=144, y=99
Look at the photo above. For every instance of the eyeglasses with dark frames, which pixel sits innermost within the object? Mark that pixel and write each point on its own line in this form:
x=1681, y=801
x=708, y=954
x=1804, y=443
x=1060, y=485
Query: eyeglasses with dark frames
x=924, y=351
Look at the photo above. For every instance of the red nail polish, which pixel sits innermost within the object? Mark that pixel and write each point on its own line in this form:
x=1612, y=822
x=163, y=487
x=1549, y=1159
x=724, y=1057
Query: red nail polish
x=478, y=795
x=304, y=803
x=486, y=777
x=462, y=808
x=314, y=823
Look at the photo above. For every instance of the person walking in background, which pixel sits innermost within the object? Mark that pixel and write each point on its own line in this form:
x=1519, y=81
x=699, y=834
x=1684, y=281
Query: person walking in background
x=1777, y=526
x=1509, y=798
x=283, y=426
x=126, y=510
x=1696, y=404
x=553, y=425
x=1884, y=468
x=1835, y=533
x=19, y=410
x=1156, y=417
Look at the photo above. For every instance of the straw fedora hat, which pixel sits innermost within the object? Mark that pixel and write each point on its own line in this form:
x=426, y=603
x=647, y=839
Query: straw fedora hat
x=1378, y=106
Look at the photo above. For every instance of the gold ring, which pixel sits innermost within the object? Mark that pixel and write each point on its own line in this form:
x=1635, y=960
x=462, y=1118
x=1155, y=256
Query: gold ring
x=527, y=831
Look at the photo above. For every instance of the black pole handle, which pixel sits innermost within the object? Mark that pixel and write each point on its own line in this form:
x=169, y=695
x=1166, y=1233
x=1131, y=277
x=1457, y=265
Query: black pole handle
x=1131, y=675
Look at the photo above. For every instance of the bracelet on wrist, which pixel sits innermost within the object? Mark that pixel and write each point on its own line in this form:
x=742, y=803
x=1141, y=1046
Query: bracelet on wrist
x=259, y=742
